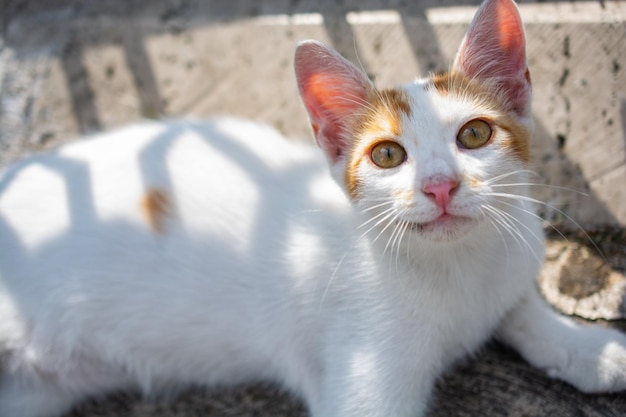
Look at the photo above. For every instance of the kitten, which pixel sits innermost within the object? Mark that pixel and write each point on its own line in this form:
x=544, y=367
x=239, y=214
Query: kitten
x=187, y=252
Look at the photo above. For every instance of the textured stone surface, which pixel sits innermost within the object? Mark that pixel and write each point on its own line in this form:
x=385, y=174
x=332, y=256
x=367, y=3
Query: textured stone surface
x=71, y=67
x=585, y=275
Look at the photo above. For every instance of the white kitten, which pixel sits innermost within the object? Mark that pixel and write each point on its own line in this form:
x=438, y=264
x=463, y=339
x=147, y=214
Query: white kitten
x=189, y=252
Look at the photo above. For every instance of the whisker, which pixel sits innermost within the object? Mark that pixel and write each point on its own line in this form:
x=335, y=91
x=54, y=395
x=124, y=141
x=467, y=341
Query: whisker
x=394, y=242
x=504, y=241
x=521, y=223
x=391, y=238
x=535, y=215
x=510, y=228
x=356, y=54
x=558, y=187
x=392, y=221
x=350, y=98
x=508, y=218
x=508, y=174
x=405, y=226
x=561, y=212
x=374, y=218
x=388, y=213
x=330, y=279
x=384, y=203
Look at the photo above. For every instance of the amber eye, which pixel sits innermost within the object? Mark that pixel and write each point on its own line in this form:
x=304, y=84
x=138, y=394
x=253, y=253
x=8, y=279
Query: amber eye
x=474, y=134
x=387, y=154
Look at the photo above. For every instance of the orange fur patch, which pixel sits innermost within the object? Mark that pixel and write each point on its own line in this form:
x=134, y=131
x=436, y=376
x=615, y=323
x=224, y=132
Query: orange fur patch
x=518, y=136
x=381, y=118
x=352, y=180
x=458, y=84
x=518, y=140
x=406, y=196
x=155, y=207
x=473, y=183
x=384, y=112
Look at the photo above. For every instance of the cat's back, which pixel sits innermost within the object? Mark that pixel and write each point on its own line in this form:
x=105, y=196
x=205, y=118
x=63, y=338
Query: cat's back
x=153, y=176
x=181, y=191
x=128, y=242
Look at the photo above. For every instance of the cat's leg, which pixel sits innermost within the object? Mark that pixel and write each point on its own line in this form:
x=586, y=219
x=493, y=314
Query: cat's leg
x=591, y=358
x=368, y=381
x=369, y=397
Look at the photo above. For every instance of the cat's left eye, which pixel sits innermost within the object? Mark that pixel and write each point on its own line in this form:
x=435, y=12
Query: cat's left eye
x=474, y=134
x=387, y=154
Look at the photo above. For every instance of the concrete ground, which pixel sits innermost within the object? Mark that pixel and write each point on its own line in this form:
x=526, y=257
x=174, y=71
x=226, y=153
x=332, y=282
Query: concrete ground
x=72, y=67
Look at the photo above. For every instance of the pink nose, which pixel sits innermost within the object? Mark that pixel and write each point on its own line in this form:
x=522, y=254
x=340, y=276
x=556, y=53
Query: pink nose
x=441, y=192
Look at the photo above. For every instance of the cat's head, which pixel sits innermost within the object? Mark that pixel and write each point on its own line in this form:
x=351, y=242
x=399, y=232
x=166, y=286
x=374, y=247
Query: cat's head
x=427, y=155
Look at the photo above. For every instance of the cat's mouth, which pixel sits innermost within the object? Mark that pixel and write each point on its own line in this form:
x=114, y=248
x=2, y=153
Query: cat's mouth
x=444, y=227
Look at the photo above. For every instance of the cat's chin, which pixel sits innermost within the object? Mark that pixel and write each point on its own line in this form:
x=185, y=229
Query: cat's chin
x=445, y=228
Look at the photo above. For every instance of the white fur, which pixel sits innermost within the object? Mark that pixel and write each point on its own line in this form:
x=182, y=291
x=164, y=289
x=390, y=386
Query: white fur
x=262, y=268
x=259, y=274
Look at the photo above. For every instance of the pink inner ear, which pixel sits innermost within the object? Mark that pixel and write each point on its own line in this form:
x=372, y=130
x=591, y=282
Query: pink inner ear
x=329, y=95
x=510, y=29
x=494, y=50
x=332, y=90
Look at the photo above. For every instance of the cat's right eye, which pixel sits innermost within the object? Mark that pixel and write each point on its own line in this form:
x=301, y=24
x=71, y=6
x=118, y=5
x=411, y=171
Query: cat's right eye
x=387, y=154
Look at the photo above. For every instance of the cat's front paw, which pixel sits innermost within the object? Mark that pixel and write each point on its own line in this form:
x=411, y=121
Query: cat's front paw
x=594, y=362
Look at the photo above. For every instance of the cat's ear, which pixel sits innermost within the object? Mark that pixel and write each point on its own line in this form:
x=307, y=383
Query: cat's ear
x=332, y=90
x=494, y=52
